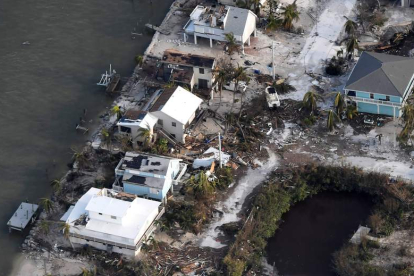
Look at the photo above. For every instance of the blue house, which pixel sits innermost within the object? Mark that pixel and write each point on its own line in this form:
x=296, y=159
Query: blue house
x=147, y=175
x=381, y=83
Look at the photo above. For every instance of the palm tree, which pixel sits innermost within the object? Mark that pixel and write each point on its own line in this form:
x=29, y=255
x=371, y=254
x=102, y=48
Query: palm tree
x=80, y=158
x=332, y=119
x=351, y=46
x=351, y=111
x=200, y=186
x=273, y=22
x=145, y=133
x=239, y=74
x=310, y=100
x=140, y=60
x=46, y=204
x=107, y=136
x=66, y=229
x=339, y=103
x=56, y=185
x=290, y=14
x=221, y=75
x=408, y=118
x=117, y=110
x=231, y=43
x=350, y=27
x=44, y=226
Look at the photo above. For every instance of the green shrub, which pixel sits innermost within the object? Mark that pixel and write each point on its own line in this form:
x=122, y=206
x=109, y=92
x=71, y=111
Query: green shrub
x=224, y=176
x=234, y=267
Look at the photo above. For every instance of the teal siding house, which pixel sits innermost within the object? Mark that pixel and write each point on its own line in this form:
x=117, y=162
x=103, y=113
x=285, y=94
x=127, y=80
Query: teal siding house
x=380, y=83
x=147, y=175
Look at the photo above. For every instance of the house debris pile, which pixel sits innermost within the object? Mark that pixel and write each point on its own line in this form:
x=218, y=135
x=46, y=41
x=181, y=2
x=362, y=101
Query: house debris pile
x=194, y=260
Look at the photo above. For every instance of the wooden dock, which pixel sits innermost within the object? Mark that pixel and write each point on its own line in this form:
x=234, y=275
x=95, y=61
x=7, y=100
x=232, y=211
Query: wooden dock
x=24, y=215
x=359, y=234
x=113, y=84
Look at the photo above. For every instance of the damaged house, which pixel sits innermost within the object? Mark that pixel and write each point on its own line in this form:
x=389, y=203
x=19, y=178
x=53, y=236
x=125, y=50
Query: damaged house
x=175, y=109
x=147, y=175
x=134, y=122
x=112, y=221
x=381, y=83
x=187, y=70
x=214, y=22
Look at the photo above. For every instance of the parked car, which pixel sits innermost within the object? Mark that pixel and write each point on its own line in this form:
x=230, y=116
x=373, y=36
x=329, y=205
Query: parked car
x=230, y=86
x=272, y=97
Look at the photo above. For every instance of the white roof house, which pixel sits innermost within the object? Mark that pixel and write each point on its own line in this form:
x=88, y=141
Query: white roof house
x=216, y=21
x=181, y=105
x=175, y=109
x=104, y=221
x=133, y=122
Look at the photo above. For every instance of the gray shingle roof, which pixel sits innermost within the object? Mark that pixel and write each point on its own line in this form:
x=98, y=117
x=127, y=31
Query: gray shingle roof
x=381, y=74
x=236, y=21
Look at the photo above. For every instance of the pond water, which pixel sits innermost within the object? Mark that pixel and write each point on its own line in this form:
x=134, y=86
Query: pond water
x=313, y=230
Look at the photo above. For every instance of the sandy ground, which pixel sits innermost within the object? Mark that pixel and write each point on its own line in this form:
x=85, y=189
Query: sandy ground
x=41, y=265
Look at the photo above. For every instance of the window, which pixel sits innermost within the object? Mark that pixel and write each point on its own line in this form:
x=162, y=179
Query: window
x=351, y=93
x=125, y=129
x=387, y=98
x=160, y=122
x=201, y=70
x=174, y=124
x=113, y=217
x=100, y=214
x=371, y=96
x=173, y=135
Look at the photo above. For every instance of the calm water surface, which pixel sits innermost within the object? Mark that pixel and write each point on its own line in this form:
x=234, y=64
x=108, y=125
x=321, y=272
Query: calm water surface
x=46, y=85
x=314, y=229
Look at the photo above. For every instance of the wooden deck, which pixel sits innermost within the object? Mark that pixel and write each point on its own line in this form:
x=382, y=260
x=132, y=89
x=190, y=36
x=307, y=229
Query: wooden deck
x=24, y=215
x=113, y=84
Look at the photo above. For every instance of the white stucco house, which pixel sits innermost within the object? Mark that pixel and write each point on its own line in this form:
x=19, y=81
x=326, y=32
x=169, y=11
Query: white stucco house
x=112, y=221
x=133, y=122
x=186, y=69
x=148, y=175
x=215, y=22
x=175, y=109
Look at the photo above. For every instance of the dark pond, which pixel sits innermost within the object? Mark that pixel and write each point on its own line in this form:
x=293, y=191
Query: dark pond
x=315, y=228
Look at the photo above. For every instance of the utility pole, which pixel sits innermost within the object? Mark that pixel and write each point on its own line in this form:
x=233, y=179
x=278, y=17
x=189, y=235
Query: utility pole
x=273, y=60
x=219, y=136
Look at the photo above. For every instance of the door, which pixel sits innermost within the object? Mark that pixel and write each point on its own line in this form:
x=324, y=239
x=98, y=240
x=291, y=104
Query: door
x=202, y=83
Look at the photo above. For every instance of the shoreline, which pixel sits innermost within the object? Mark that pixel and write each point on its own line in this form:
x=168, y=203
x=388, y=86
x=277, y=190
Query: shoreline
x=23, y=265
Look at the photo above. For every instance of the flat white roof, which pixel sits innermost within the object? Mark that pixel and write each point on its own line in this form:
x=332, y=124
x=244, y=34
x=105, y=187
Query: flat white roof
x=181, y=105
x=140, y=214
x=108, y=206
x=135, y=223
x=80, y=206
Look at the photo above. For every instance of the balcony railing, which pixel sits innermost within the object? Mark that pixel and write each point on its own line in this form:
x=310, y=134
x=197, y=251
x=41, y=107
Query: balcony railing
x=358, y=99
